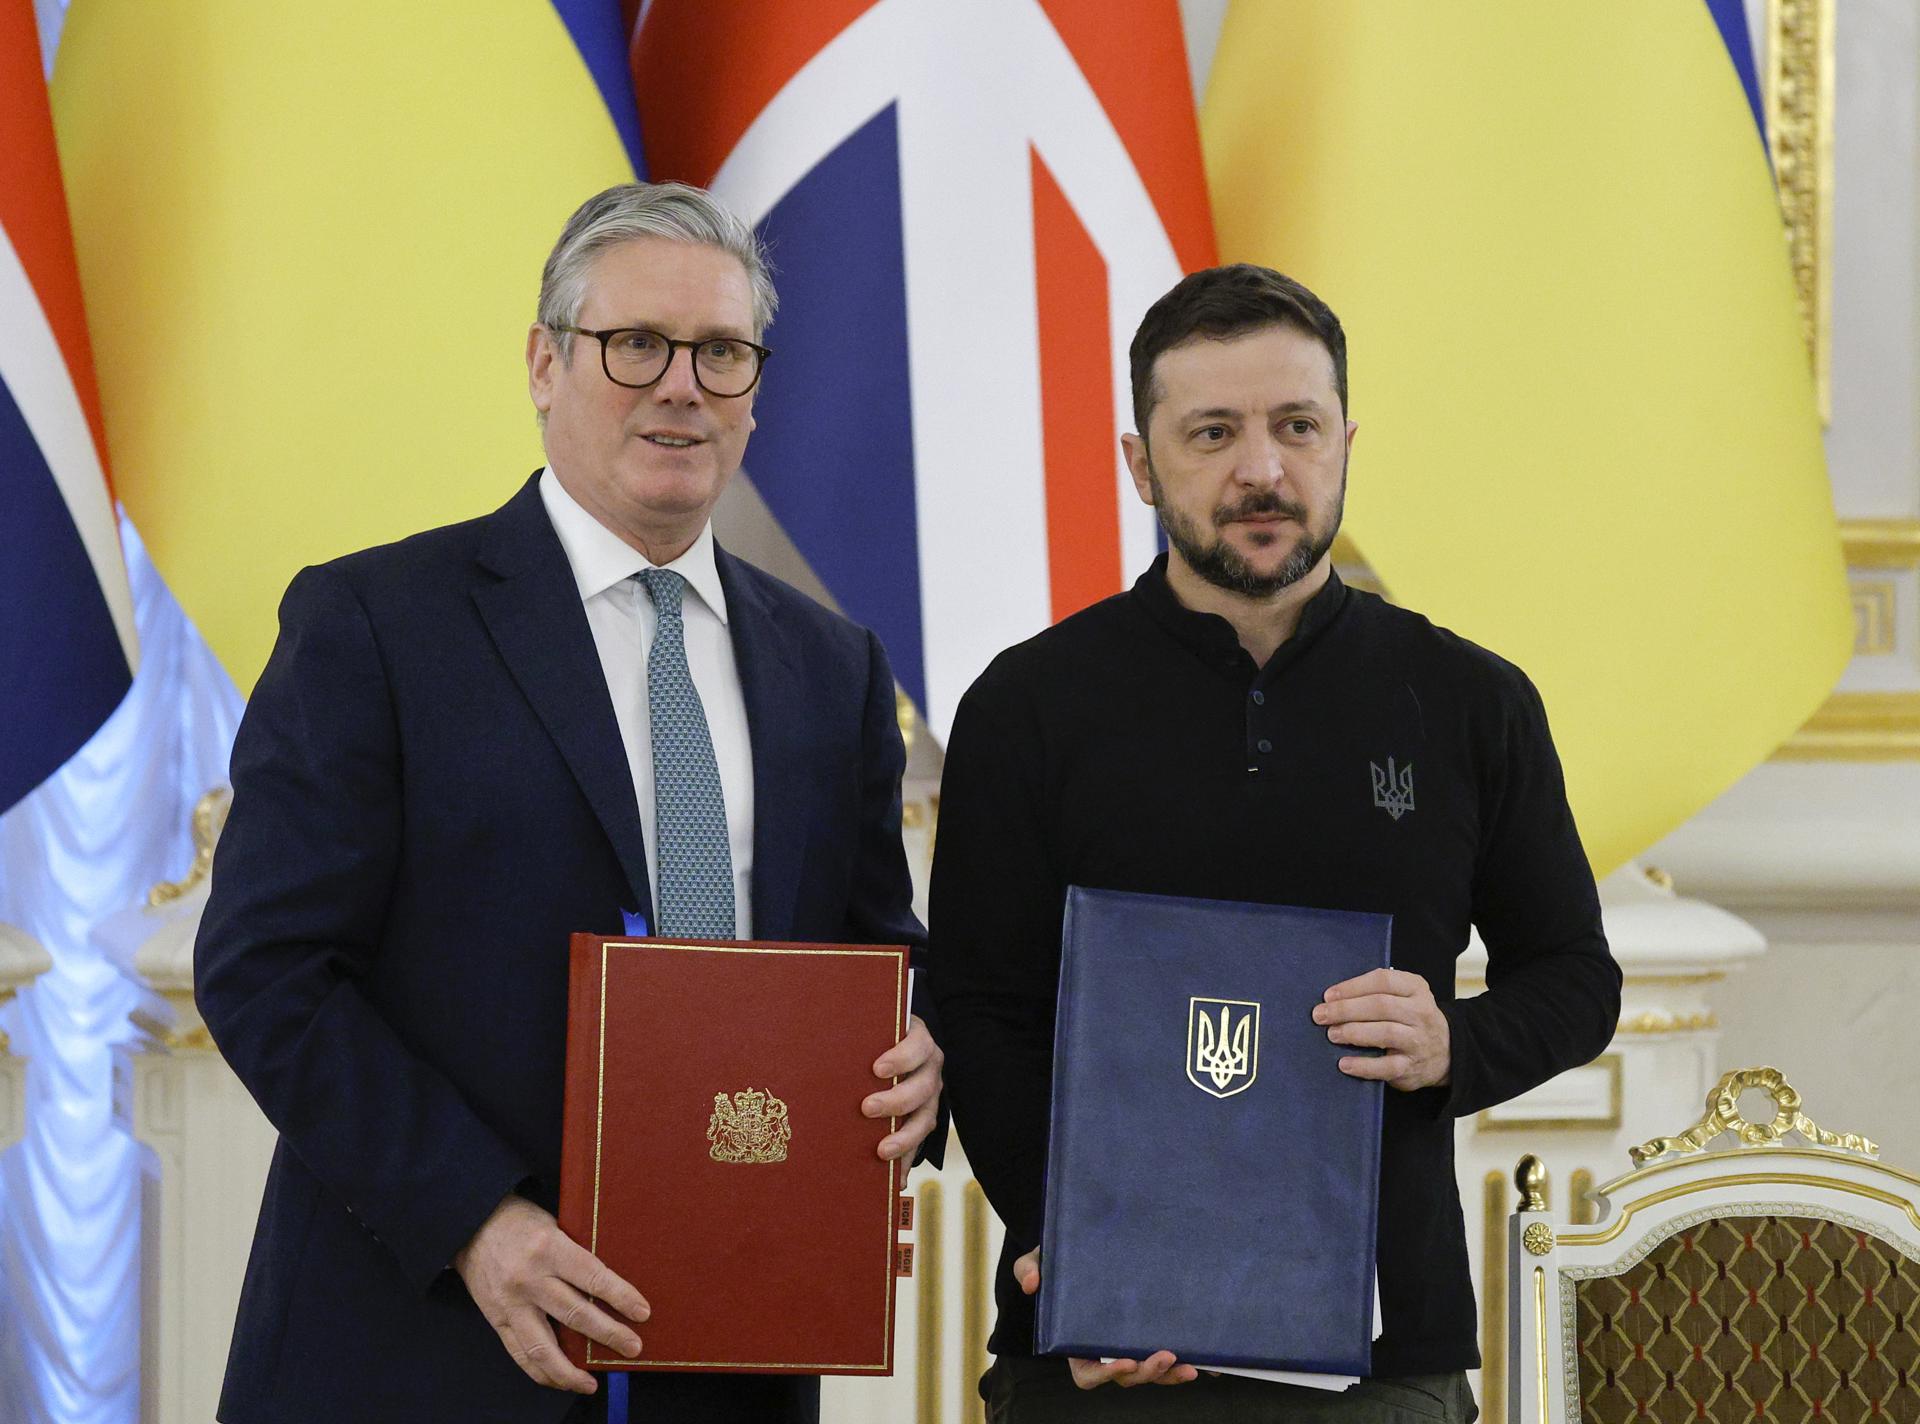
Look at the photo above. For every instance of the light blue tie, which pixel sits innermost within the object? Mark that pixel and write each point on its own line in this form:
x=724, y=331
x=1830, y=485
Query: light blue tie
x=694, y=899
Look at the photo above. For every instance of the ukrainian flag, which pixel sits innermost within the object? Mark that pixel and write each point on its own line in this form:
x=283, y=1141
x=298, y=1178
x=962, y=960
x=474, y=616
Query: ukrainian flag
x=1588, y=430
x=311, y=239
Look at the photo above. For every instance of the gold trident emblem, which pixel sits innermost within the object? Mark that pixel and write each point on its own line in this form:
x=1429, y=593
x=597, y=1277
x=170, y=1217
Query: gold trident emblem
x=1224, y=1050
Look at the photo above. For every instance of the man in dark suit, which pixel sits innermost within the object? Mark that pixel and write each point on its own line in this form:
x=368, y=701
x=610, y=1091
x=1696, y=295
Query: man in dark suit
x=474, y=742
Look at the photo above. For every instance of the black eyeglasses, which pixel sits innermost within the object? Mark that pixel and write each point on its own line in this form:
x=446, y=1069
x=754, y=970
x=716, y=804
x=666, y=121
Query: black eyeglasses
x=637, y=358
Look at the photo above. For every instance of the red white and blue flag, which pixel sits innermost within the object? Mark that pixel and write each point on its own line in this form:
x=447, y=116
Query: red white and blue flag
x=67, y=646
x=969, y=208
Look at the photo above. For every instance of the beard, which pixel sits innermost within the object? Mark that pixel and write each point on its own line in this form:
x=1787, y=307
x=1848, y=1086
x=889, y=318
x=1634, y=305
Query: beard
x=1222, y=565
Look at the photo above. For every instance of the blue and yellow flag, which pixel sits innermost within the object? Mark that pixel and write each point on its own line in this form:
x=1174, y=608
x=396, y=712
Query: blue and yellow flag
x=1588, y=431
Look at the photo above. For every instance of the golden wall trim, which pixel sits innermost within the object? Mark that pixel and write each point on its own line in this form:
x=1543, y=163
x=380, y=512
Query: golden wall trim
x=976, y=1273
x=929, y=1294
x=1881, y=543
x=1873, y=617
x=1859, y=726
x=1659, y=1021
x=1493, y=1297
x=1797, y=87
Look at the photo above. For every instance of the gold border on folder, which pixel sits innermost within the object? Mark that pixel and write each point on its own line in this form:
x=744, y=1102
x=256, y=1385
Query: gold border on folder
x=893, y=1167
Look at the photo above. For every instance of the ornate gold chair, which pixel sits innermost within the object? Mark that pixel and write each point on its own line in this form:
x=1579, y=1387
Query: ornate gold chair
x=1774, y=1277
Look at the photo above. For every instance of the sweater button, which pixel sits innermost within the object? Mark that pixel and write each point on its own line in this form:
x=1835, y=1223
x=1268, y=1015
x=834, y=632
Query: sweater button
x=1259, y=699
x=1264, y=745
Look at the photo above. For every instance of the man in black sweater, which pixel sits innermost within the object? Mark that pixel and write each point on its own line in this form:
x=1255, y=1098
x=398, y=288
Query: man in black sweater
x=1243, y=726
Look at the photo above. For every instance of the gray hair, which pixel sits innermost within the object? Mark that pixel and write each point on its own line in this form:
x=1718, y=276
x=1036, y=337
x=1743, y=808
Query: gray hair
x=675, y=211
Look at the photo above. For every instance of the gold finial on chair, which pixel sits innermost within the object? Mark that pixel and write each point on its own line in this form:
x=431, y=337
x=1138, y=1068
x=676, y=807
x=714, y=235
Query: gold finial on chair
x=1724, y=1115
x=1530, y=1178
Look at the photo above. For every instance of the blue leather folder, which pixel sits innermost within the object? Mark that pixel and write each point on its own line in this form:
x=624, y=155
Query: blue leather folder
x=1212, y=1176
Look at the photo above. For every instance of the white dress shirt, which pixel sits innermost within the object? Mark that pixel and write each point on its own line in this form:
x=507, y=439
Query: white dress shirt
x=622, y=618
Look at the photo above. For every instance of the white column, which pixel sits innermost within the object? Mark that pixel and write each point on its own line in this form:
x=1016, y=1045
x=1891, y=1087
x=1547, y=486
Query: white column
x=21, y=961
x=1657, y=1071
x=207, y=1149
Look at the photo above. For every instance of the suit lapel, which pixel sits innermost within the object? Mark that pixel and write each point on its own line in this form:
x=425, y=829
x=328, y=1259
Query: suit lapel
x=539, y=626
x=771, y=688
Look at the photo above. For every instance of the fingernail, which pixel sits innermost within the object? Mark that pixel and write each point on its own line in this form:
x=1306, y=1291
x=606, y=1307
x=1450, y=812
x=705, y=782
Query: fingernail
x=1320, y=1015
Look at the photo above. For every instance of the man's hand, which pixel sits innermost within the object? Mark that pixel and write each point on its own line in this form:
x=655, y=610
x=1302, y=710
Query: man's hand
x=521, y=1268
x=915, y=1060
x=1158, y=1368
x=1393, y=1010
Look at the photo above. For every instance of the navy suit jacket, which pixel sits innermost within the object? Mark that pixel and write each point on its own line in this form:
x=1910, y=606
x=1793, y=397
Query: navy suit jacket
x=430, y=795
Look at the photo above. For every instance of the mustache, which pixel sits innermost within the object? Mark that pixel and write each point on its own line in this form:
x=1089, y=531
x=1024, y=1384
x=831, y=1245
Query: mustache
x=1260, y=504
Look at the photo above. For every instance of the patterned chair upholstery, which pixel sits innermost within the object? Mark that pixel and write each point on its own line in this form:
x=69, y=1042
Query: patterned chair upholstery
x=1774, y=1276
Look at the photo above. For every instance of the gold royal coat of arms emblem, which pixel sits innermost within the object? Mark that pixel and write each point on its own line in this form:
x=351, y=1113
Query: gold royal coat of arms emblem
x=753, y=1127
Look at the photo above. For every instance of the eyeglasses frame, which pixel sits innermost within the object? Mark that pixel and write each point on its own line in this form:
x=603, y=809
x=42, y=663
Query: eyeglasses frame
x=673, y=346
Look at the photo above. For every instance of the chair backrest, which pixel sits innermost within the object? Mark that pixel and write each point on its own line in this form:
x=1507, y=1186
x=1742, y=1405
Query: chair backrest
x=1741, y=1271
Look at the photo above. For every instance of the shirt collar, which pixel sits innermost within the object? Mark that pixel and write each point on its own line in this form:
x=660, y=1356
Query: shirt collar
x=601, y=559
x=1213, y=638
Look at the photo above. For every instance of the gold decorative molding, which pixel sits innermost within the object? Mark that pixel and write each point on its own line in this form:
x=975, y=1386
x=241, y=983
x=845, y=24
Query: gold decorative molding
x=975, y=1272
x=1724, y=1115
x=209, y=818
x=5, y=1042
x=1538, y=1239
x=1881, y=543
x=1660, y=1021
x=1859, y=726
x=931, y=1298
x=1821, y=1155
x=1493, y=1296
x=1873, y=617
x=1868, y=726
x=1540, y=1342
x=1798, y=89
x=1812, y=1181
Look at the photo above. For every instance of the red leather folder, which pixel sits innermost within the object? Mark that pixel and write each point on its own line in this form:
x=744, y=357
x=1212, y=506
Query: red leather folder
x=715, y=1155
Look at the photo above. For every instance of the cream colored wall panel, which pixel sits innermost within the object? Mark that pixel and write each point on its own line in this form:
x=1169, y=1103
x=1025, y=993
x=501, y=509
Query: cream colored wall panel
x=1873, y=447
x=208, y=1148
x=1811, y=835
x=1840, y=1020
